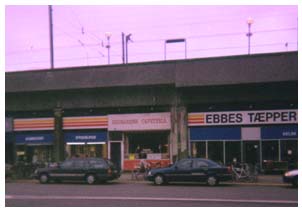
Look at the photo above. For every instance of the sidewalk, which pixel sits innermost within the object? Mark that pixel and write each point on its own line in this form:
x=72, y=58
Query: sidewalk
x=263, y=180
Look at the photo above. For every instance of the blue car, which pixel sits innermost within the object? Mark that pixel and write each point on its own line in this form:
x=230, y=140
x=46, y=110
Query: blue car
x=291, y=177
x=192, y=169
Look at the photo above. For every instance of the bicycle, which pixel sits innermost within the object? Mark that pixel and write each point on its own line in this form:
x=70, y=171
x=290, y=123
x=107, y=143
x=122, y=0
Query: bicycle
x=244, y=173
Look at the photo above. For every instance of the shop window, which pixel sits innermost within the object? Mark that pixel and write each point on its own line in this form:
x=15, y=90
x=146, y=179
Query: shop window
x=20, y=153
x=92, y=150
x=199, y=149
x=34, y=154
x=270, y=151
x=151, y=145
x=215, y=151
x=232, y=151
x=289, y=153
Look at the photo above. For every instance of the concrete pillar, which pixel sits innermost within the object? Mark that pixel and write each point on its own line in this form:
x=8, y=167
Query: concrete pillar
x=59, y=145
x=173, y=135
x=179, y=133
x=183, y=131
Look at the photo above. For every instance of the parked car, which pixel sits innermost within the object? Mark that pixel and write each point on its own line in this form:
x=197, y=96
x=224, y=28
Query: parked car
x=291, y=177
x=192, y=169
x=90, y=170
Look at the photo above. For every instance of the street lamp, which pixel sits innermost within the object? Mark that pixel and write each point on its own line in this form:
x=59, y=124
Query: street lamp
x=178, y=40
x=125, y=39
x=249, y=22
x=108, y=35
x=128, y=38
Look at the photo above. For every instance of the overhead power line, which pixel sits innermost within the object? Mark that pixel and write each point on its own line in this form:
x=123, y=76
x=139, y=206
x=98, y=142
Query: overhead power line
x=151, y=40
x=157, y=53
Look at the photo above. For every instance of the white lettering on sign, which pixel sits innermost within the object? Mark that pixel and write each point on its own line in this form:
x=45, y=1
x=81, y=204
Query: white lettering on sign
x=85, y=137
x=243, y=118
x=289, y=134
x=37, y=138
x=141, y=121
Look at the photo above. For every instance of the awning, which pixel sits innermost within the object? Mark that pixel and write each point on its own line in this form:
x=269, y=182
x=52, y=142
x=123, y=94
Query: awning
x=214, y=133
x=78, y=138
x=33, y=124
x=85, y=122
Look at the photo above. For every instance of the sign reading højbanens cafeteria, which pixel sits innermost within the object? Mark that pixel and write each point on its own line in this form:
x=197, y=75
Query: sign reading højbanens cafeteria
x=243, y=118
x=139, y=121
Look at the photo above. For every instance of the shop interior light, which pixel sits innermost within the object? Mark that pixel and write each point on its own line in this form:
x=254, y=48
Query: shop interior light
x=75, y=143
x=96, y=142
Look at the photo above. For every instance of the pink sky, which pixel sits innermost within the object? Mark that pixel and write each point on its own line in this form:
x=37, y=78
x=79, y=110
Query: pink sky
x=210, y=31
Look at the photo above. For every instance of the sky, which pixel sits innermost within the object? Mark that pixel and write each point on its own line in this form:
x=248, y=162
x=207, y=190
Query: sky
x=79, y=33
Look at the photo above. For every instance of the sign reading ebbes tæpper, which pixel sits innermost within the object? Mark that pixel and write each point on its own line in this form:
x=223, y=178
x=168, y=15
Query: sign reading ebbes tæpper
x=243, y=118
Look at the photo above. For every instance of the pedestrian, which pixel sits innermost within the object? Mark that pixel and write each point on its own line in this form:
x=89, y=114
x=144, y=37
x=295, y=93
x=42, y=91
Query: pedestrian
x=35, y=159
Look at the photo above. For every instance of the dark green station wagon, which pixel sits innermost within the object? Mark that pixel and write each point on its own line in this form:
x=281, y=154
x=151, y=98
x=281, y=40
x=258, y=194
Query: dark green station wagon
x=89, y=170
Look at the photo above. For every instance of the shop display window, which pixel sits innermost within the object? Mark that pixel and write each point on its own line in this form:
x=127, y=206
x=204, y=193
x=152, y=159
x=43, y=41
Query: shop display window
x=215, y=151
x=199, y=149
x=20, y=153
x=34, y=154
x=151, y=145
x=289, y=153
x=270, y=150
x=232, y=152
x=93, y=150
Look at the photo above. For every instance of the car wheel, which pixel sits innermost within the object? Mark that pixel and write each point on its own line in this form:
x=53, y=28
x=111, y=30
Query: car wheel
x=43, y=178
x=159, y=179
x=212, y=181
x=90, y=179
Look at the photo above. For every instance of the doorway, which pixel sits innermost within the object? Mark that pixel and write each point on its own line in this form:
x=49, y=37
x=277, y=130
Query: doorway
x=115, y=153
x=251, y=152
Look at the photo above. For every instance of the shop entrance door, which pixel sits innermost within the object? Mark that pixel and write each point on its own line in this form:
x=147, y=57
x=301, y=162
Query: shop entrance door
x=116, y=153
x=251, y=152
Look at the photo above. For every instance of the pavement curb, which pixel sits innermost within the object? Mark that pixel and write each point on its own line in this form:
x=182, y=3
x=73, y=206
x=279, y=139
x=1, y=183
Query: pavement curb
x=263, y=180
x=148, y=182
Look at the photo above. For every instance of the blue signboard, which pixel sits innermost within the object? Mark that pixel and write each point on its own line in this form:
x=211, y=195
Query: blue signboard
x=215, y=133
x=280, y=132
x=32, y=139
x=75, y=137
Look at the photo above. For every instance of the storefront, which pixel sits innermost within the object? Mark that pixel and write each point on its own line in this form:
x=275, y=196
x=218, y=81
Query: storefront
x=85, y=136
x=255, y=137
x=140, y=137
x=34, y=139
x=280, y=143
